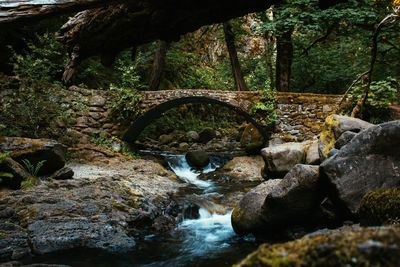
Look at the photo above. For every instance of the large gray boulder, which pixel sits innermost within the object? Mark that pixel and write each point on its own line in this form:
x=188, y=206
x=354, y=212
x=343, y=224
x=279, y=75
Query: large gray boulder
x=245, y=169
x=281, y=203
x=333, y=129
x=279, y=159
x=35, y=150
x=61, y=234
x=370, y=161
x=247, y=215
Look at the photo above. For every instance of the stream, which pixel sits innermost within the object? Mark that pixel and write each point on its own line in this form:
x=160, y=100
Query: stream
x=206, y=239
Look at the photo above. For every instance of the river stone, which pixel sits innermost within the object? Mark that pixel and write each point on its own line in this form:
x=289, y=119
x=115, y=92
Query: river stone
x=247, y=215
x=63, y=174
x=279, y=159
x=369, y=162
x=344, y=139
x=61, y=234
x=13, y=242
x=35, y=150
x=245, y=169
x=97, y=101
x=192, y=136
x=206, y=135
x=294, y=200
x=166, y=139
x=197, y=159
x=345, y=123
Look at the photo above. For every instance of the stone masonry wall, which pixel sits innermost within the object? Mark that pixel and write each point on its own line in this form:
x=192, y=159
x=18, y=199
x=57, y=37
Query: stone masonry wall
x=300, y=116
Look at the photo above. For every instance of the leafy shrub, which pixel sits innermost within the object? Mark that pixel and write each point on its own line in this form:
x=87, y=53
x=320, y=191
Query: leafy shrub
x=125, y=103
x=33, y=169
x=265, y=109
x=382, y=94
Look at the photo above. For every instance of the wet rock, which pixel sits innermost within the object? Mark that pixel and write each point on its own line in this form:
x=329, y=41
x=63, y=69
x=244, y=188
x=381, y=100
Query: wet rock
x=245, y=169
x=380, y=207
x=100, y=209
x=247, y=215
x=197, y=159
x=13, y=242
x=61, y=234
x=369, y=162
x=344, y=247
x=207, y=135
x=192, y=136
x=251, y=138
x=344, y=139
x=35, y=150
x=63, y=174
x=280, y=159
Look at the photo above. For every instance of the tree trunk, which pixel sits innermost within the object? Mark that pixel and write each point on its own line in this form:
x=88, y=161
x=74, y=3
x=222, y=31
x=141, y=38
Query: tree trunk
x=158, y=65
x=236, y=70
x=284, y=58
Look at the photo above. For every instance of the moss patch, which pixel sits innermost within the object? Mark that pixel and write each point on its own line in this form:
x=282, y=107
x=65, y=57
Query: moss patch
x=327, y=137
x=346, y=247
x=380, y=207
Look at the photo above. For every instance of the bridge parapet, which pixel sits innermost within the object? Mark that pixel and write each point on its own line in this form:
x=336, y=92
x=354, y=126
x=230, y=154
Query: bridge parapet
x=241, y=99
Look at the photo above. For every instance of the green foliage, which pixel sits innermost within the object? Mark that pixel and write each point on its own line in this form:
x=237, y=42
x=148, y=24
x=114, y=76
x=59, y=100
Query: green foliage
x=382, y=94
x=3, y=156
x=106, y=140
x=42, y=63
x=125, y=103
x=265, y=110
x=31, y=168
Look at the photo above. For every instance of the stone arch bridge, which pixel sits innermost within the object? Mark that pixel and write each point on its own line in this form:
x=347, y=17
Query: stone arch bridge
x=155, y=103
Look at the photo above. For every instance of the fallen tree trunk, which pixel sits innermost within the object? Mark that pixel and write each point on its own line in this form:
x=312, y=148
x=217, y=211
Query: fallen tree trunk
x=22, y=11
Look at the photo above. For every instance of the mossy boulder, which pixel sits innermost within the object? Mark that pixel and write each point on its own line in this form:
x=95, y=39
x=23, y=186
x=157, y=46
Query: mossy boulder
x=371, y=161
x=344, y=247
x=333, y=128
x=380, y=207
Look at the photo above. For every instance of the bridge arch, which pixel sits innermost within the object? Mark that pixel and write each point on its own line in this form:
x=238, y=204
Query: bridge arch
x=156, y=112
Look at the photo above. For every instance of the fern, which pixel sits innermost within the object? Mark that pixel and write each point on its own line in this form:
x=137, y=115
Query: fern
x=33, y=169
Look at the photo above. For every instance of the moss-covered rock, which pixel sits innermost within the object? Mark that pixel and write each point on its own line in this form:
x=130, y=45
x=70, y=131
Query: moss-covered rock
x=344, y=247
x=380, y=207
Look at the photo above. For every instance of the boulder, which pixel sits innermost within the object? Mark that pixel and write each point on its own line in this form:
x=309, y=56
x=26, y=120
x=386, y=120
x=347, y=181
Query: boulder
x=347, y=246
x=251, y=138
x=280, y=159
x=334, y=127
x=206, y=135
x=294, y=200
x=166, y=139
x=278, y=204
x=369, y=162
x=17, y=171
x=197, y=159
x=61, y=234
x=192, y=136
x=312, y=154
x=245, y=169
x=63, y=174
x=345, y=123
x=247, y=215
x=183, y=147
x=344, y=139
x=35, y=150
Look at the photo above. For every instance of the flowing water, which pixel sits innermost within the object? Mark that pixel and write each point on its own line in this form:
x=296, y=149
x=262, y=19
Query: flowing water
x=207, y=240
